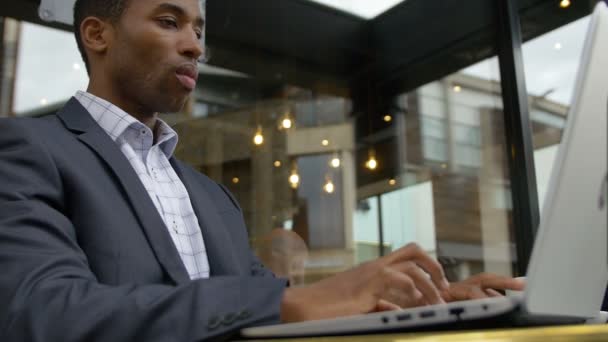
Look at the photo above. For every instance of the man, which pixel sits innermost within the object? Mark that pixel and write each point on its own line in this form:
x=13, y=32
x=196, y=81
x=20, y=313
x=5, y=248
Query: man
x=104, y=236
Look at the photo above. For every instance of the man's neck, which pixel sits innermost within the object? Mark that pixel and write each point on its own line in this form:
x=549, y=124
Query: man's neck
x=148, y=119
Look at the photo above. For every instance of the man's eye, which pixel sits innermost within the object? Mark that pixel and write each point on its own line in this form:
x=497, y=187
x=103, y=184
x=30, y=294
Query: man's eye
x=168, y=22
x=199, y=34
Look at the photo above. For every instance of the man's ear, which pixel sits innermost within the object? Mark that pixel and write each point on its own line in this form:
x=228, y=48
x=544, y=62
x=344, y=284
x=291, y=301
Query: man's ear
x=96, y=34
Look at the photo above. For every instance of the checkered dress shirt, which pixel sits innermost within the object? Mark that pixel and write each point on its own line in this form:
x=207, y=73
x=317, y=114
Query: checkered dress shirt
x=151, y=163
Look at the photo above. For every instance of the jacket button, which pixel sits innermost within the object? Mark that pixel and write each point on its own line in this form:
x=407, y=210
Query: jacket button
x=229, y=319
x=244, y=314
x=213, y=323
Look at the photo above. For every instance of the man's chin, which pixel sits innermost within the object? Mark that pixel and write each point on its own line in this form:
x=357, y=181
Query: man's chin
x=175, y=105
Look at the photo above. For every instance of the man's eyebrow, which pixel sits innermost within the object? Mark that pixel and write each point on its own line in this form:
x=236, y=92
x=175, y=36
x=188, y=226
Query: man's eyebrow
x=180, y=11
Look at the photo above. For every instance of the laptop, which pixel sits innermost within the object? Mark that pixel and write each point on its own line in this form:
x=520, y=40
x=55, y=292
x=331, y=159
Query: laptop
x=568, y=270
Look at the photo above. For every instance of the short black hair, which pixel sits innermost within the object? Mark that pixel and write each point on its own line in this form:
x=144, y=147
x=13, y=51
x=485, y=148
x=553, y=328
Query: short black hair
x=111, y=10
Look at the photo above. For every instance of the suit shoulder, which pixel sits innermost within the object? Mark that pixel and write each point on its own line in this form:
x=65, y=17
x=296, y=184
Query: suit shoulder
x=38, y=125
x=38, y=134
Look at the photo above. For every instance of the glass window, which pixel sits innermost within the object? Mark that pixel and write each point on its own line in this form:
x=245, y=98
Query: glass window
x=551, y=64
x=352, y=186
x=450, y=191
x=46, y=57
x=367, y=230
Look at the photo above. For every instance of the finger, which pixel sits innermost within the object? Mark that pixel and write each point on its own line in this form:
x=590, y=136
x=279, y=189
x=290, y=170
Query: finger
x=404, y=299
x=384, y=305
x=456, y=293
x=493, y=293
x=401, y=289
x=476, y=293
x=424, y=284
x=501, y=282
x=464, y=291
x=413, y=252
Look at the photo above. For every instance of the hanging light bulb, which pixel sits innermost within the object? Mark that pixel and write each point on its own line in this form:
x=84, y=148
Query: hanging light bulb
x=329, y=186
x=371, y=162
x=286, y=122
x=335, y=162
x=294, y=178
x=258, y=139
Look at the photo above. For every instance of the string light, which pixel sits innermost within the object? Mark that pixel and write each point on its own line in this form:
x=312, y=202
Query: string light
x=294, y=178
x=286, y=123
x=335, y=162
x=388, y=118
x=329, y=186
x=392, y=182
x=565, y=3
x=325, y=142
x=236, y=180
x=277, y=163
x=457, y=89
x=371, y=162
x=258, y=139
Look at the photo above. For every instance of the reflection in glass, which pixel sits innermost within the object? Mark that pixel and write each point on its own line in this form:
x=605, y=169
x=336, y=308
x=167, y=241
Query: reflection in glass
x=436, y=175
x=452, y=196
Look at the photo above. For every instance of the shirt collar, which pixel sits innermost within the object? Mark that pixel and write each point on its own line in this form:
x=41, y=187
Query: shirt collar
x=115, y=122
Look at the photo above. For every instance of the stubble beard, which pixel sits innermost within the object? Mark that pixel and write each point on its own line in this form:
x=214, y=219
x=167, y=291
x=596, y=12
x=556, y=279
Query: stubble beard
x=152, y=93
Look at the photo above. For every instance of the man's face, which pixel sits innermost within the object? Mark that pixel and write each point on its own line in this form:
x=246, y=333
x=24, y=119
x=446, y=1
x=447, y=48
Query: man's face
x=152, y=61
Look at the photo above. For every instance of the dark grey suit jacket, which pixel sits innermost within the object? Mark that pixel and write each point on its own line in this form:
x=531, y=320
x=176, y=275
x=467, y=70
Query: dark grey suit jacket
x=85, y=256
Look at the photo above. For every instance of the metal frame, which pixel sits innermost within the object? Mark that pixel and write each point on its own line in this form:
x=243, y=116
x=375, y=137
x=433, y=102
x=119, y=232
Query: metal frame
x=518, y=132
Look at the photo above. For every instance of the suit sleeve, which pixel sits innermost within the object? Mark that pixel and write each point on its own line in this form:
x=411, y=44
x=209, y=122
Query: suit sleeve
x=48, y=292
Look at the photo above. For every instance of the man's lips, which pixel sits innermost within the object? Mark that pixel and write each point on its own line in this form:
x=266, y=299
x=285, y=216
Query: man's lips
x=187, y=74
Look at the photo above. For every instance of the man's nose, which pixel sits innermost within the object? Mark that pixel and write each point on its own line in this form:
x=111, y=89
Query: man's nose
x=191, y=46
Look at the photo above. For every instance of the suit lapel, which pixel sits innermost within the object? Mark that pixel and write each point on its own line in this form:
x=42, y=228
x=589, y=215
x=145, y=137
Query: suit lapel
x=77, y=119
x=222, y=259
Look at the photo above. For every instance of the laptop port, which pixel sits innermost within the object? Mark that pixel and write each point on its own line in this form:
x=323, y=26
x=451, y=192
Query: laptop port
x=427, y=314
x=385, y=320
x=404, y=317
x=456, y=311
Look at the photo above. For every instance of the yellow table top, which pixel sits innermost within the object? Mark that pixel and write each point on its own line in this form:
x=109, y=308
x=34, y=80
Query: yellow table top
x=546, y=334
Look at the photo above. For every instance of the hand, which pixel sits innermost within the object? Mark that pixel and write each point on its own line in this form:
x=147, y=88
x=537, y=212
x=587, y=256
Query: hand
x=481, y=286
x=405, y=278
